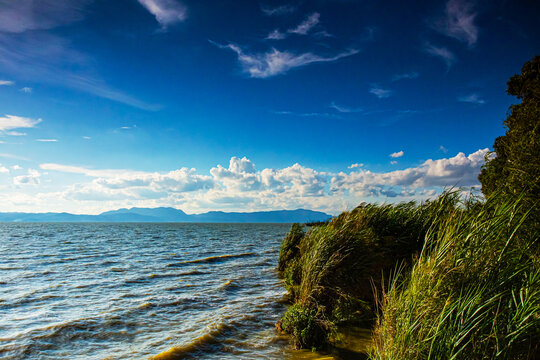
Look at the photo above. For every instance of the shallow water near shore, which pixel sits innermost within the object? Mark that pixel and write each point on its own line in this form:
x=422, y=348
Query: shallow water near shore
x=137, y=291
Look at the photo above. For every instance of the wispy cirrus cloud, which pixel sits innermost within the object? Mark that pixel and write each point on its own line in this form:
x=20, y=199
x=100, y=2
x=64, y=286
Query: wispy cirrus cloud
x=380, y=92
x=345, y=109
x=308, y=114
x=305, y=26
x=458, y=22
x=276, y=35
x=23, y=15
x=472, y=99
x=442, y=53
x=278, y=10
x=6, y=83
x=275, y=62
x=9, y=122
x=409, y=75
x=166, y=12
x=30, y=52
x=47, y=140
x=301, y=29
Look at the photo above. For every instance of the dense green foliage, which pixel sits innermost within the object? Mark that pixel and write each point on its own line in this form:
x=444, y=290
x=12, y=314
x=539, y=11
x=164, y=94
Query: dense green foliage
x=474, y=295
x=515, y=168
x=332, y=269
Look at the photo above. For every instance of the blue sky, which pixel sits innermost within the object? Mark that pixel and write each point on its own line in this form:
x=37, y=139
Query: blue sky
x=246, y=105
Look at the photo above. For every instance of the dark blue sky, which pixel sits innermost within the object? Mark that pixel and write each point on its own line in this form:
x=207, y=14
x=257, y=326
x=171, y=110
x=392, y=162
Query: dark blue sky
x=137, y=102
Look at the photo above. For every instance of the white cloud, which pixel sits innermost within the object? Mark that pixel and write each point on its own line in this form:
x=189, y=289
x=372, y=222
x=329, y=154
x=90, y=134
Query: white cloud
x=47, y=140
x=86, y=137
x=345, y=109
x=393, y=162
x=26, y=90
x=305, y=26
x=310, y=114
x=275, y=62
x=397, y=154
x=5, y=170
x=472, y=98
x=441, y=52
x=279, y=10
x=6, y=83
x=90, y=172
x=380, y=92
x=356, y=165
x=166, y=12
x=459, y=22
x=410, y=75
x=45, y=57
x=443, y=149
x=24, y=15
x=16, y=167
x=14, y=133
x=9, y=122
x=276, y=35
x=238, y=187
x=460, y=170
x=32, y=178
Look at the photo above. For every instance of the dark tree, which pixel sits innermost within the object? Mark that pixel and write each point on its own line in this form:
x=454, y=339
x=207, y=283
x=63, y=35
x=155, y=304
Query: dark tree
x=514, y=166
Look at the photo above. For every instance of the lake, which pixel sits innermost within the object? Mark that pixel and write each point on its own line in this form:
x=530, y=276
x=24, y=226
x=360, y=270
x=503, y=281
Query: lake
x=133, y=291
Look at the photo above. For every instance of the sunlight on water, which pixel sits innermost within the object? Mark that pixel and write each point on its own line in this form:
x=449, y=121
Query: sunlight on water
x=140, y=291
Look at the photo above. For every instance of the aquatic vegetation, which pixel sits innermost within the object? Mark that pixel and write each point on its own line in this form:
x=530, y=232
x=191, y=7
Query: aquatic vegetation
x=331, y=271
x=472, y=291
x=474, y=295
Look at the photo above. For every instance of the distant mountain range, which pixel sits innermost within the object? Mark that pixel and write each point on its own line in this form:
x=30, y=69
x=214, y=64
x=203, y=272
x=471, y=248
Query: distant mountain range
x=167, y=214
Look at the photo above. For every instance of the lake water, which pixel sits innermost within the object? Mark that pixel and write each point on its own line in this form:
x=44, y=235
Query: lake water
x=133, y=291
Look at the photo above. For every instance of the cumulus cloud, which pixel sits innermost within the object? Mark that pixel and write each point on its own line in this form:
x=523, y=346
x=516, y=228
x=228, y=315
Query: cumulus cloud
x=31, y=178
x=275, y=62
x=241, y=186
x=458, y=22
x=397, y=154
x=166, y=12
x=442, y=53
x=460, y=170
x=9, y=122
x=472, y=99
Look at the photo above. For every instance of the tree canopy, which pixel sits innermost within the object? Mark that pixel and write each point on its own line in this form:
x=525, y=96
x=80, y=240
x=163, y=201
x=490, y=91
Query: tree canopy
x=513, y=168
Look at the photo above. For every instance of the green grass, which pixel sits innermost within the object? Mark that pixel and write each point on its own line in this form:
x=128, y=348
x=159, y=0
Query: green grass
x=331, y=270
x=474, y=293
x=464, y=279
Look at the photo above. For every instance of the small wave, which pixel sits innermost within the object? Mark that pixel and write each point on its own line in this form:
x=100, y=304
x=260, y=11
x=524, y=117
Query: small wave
x=229, y=285
x=207, y=342
x=213, y=259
